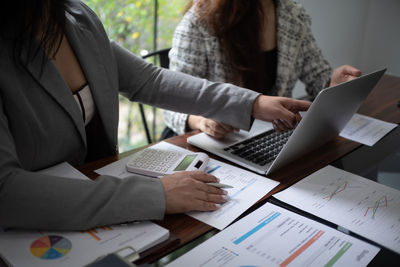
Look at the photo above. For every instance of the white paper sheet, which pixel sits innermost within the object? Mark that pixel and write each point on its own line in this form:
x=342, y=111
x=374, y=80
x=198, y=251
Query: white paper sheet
x=248, y=187
x=366, y=130
x=360, y=205
x=116, y=169
x=273, y=236
x=64, y=169
x=41, y=248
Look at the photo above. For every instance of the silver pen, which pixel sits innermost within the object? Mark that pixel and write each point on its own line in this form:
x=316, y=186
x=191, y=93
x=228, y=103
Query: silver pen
x=218, y=185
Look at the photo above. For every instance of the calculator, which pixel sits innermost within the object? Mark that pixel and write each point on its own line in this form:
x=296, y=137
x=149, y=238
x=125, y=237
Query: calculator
x=156, y=162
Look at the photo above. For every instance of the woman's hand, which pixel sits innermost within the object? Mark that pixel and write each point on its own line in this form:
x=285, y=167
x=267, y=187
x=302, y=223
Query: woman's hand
x=343, y=74
x=187, y=191
x=210, y=127
x=283, y=112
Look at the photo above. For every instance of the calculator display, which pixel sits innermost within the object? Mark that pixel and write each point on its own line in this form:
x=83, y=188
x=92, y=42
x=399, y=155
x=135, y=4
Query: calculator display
x=185, y=163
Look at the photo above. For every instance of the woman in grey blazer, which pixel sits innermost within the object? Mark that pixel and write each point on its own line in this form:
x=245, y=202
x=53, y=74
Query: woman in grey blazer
x=60, y=77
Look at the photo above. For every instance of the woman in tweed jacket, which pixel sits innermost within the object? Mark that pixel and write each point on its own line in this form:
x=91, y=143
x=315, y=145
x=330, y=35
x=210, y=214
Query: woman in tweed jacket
x=217, y=40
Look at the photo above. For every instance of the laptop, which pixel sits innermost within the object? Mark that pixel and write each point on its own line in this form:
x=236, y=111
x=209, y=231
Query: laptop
x=263, y=150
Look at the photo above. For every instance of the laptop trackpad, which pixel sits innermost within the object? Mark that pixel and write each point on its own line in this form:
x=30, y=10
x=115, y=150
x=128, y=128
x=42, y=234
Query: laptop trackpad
x=205, y=140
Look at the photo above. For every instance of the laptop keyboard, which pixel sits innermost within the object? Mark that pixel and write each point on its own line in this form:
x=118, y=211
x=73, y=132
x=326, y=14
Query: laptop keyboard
x=260, y=149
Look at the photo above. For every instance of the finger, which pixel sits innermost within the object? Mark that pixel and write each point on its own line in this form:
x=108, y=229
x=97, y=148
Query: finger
x=223, y=129
x=209, y=189
x=208, y=126
x=216, y=131
x=278, y=126
x=221, y=132
x=287, y=116
x=203, y=177
x=199, y=205
x=218, y=199
x=286, y=124
x=213, y=133
x=298, y=118
x=349, y=78
x=213, y=198
x=350, y=70
x=298, y=105
x=227, y=128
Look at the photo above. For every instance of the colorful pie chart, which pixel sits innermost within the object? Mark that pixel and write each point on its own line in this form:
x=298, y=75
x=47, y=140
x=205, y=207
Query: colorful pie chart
x=50, y=247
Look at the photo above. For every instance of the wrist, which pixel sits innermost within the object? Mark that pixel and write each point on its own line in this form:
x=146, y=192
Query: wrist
x=193, y=122
x=256, y=107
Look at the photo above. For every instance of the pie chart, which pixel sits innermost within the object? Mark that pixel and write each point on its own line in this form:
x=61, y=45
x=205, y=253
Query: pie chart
x=50, y=247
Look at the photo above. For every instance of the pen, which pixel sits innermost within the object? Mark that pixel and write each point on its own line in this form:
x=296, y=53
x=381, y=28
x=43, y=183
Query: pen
x=218, y=185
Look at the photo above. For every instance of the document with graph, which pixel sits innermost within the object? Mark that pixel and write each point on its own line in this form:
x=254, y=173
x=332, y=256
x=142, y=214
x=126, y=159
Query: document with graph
x=360, y=205
x=45, y=248
x=248, y=188
x=274, y=236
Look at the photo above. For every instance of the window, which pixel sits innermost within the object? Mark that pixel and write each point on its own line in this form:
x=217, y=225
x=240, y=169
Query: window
x=134, y=25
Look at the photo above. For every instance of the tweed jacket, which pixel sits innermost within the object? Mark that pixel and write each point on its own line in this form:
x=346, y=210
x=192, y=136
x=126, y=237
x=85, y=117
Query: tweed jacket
x=41, y=125
x=197, y=52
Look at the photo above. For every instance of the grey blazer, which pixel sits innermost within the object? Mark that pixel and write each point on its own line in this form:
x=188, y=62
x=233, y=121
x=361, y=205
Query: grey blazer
x=41, y=125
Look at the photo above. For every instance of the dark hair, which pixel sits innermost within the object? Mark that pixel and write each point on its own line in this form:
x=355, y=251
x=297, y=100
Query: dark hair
x=237, y=25
x=24, y=22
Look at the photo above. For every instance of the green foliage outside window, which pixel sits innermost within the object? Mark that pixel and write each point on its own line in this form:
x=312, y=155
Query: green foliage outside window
x=131, y=24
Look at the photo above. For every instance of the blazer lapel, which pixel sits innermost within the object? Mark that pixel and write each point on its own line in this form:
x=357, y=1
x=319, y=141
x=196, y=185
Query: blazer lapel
x=51, y=80
x=87, y=50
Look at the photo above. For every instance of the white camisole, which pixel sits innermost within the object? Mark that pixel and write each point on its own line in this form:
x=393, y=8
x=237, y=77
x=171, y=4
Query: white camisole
x=84, y=99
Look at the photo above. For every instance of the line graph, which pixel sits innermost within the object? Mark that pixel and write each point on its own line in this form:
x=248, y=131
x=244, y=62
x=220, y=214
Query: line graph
x=382, y=202
x=338, y=189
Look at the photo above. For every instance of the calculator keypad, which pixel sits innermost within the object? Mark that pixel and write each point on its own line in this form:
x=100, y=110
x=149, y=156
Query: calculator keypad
x=154, y=160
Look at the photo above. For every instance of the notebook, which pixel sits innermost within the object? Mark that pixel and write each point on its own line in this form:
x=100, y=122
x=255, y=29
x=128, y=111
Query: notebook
x=264, y=151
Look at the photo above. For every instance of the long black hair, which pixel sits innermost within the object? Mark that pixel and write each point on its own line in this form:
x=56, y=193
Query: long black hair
x=237, y=25
x=24, y=22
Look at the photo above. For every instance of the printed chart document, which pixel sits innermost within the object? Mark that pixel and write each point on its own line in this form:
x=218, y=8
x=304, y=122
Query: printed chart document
x=366, y=130
x=273, y=236
x=362, y=206
x=41, y=248
x=247, y=189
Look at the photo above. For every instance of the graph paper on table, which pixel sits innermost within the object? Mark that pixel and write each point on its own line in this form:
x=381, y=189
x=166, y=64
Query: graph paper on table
x=362, y=206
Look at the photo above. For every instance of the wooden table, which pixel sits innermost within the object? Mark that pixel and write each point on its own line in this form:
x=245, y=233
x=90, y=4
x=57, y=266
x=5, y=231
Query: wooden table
x=382, y=103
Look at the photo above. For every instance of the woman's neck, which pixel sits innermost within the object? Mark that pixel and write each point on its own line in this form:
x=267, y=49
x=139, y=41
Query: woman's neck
x=268, y=29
